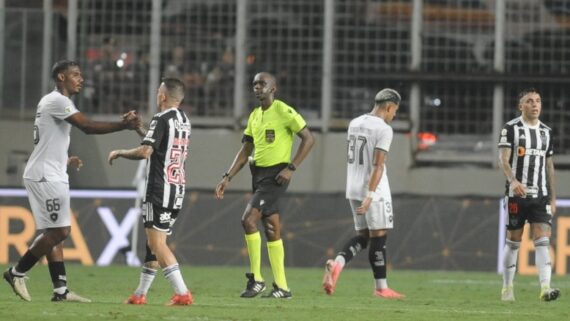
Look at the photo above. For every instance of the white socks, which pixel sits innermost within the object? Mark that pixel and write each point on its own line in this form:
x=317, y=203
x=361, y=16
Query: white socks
x=340, y=260
x=510, y=257
x=542, y=258
x=174, y=277
x=542, y=261
x=381, y=283
x=146, y=278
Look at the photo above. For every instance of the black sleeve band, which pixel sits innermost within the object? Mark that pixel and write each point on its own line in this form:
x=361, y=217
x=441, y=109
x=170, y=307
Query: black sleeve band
x=247, y=138
x=301, y=130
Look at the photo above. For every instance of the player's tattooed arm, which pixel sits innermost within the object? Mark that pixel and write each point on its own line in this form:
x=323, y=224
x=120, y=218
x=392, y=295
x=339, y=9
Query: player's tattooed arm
x=141, y=130
x=141, y=152
x=504, y=164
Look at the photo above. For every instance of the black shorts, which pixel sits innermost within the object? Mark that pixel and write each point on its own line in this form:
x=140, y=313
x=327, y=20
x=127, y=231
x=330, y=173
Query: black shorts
x=532, y=210
x=158, y=217
x=266, y=190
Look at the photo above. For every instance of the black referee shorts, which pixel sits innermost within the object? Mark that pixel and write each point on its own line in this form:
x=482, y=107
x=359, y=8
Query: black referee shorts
x=266, y=190
x=532, y=210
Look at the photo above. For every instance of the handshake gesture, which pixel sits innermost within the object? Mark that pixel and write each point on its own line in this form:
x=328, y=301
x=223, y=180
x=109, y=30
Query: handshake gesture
x=132, y=120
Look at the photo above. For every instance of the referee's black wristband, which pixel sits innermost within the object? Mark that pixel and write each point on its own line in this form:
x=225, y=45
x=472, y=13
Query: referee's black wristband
x=226, y=174
x=292, y=167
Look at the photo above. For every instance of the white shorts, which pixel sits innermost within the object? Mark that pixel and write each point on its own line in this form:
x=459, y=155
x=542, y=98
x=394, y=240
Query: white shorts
x=380, y=215
x=49, y=202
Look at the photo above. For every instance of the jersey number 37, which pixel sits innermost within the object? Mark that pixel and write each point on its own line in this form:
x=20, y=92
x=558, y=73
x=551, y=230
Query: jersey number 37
x=356, y=145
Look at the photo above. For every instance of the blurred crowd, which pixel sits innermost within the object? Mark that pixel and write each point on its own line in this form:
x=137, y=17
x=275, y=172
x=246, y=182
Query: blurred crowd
x=117, y=79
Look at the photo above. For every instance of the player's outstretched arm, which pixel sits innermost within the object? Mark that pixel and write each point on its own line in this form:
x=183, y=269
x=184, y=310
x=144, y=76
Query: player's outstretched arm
x=89, y=126
x=141, y=152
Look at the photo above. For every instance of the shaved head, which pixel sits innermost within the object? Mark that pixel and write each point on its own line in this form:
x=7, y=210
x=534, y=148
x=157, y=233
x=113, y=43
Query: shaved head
x=174, y=89
x=269, y=78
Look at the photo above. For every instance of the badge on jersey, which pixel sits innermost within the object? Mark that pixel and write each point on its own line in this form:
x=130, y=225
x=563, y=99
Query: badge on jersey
x=178, y=201
x=270, y=135
x=150, y=132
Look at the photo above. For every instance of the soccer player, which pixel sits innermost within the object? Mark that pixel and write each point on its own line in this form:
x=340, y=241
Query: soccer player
x=46, y=179
x=525, y=157
x=165, y=145
x=368, y=192
x=270, y=131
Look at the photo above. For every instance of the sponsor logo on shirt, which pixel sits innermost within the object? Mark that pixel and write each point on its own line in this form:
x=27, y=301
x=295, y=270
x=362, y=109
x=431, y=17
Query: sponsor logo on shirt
x=531, y=151
x=182, y=126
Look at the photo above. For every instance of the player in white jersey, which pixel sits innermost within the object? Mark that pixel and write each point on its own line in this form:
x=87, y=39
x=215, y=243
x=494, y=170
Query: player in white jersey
x=46, y=180
x=368, y=191
x=165, y=145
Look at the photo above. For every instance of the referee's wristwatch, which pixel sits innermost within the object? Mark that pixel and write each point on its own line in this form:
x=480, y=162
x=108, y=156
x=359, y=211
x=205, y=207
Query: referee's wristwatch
x=291, y=167
x=226, y=174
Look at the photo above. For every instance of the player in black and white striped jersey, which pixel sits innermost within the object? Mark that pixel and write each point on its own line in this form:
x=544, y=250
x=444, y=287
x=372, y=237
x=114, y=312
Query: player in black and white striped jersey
x=525, y=157
x=165, y=172
x=165, y=145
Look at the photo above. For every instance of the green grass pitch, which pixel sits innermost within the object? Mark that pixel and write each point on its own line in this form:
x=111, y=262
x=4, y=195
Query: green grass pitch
x=430, y=296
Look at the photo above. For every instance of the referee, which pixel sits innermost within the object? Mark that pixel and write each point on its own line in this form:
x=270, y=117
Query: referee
x=270, y=131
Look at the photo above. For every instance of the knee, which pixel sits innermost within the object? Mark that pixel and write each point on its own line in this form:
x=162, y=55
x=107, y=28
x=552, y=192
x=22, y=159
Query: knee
x=249, y=223
x=271, y=231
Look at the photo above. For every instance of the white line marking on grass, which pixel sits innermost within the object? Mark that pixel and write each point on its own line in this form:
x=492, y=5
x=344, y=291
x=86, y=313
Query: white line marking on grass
x=465, y=281
x=496, y=282
x=415, y=309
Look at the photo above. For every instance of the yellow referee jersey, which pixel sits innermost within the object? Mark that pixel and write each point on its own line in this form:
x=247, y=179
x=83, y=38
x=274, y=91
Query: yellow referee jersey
x=273, y=131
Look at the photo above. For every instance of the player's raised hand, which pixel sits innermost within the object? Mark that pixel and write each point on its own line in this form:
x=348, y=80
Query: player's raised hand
x=74, y=161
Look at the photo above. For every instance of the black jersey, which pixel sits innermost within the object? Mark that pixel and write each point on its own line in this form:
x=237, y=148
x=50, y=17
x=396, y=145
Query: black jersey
x=169, y=136
x=530, y=146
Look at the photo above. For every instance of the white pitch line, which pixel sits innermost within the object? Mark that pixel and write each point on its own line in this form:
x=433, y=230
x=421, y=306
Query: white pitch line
x=421, y=308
